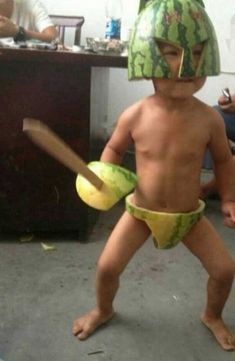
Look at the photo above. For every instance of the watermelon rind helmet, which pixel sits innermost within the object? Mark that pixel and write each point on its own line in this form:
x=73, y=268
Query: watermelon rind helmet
x=182, y=23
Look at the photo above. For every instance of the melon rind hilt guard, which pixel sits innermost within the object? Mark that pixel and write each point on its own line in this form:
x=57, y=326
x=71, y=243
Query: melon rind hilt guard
x=117, y=182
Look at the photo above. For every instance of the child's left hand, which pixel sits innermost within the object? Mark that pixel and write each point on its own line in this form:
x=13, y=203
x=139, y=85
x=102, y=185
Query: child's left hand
x=228, y=209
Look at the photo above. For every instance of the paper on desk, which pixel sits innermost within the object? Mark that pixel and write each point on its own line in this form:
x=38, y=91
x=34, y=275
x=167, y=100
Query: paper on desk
x=7, y=43
x=30, y=44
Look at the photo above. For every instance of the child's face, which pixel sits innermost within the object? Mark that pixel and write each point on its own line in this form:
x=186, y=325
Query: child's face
x=179, y=86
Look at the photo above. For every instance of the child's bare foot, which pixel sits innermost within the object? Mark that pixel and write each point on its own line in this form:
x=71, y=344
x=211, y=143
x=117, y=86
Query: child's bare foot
x=84, y=326
x=223, y=335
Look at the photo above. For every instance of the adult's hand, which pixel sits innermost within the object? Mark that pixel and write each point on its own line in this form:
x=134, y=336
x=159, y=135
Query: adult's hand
x=7, y=27
x=225, y=105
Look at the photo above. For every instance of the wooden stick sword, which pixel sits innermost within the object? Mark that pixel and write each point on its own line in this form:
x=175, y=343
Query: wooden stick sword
x=46, y=139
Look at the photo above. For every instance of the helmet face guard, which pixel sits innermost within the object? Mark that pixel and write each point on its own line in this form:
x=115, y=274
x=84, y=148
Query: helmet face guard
x=182, y=23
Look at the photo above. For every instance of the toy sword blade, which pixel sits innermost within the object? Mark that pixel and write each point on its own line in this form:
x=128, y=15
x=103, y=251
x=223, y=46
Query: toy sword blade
x=46, y=139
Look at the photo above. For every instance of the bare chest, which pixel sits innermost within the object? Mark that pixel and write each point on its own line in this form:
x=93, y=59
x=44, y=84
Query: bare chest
x=175, y=140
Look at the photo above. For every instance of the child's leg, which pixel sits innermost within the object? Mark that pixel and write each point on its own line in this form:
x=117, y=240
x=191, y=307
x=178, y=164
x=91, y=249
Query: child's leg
x=127, y=237
x=205, y=243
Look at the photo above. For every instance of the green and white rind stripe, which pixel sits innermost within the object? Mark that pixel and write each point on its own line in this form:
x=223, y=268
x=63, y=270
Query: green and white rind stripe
x=181, y=22
x=144, y=3
x=168, y=229
x=118, y=182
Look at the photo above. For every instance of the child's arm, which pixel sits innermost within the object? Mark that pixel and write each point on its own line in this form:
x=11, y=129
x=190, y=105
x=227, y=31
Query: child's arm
x=224, y=168
x=119, y=141
x=225, y=180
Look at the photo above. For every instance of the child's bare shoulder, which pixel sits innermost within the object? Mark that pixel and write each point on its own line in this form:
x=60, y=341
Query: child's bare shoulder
x=133, y=112
x=209, y=112
x=136, y=107
x=211, y=118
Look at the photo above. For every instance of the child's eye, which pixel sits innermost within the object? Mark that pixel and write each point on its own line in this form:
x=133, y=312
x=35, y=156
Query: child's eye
x=168, y=50
x=170, y=53
x=197, y=52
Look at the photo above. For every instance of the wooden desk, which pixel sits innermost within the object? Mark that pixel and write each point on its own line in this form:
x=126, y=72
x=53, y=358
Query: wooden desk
x=36, y=192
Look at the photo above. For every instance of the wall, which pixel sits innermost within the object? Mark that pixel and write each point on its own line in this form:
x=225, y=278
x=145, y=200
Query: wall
x=94, y=13
x=122, y=93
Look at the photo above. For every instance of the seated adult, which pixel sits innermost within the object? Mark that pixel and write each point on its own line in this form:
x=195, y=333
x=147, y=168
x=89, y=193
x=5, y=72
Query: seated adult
x=25, y=19
x=226, y=108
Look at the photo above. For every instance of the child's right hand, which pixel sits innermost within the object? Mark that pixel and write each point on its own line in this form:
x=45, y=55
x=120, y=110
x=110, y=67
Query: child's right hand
x=228, y=209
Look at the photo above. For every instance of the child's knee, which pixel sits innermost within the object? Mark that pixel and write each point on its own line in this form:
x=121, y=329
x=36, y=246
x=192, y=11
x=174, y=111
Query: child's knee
x=107, y=270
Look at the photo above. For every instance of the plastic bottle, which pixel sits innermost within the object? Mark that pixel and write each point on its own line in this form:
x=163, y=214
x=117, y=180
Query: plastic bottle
x=113, y=10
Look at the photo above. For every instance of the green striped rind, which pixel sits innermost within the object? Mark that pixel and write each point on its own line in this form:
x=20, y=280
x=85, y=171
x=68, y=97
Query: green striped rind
x=181, y=22
x=118, y=182
x=183, y=224
x=201, y=3
x=168, y=229
x=143, y=4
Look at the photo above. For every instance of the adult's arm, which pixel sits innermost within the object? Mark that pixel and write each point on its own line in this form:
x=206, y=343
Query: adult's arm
x=44, y=28
x=37, y=24
x=9, y=29
x=47, y=35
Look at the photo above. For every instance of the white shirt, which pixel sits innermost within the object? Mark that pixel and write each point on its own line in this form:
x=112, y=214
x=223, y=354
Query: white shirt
x=31, y=15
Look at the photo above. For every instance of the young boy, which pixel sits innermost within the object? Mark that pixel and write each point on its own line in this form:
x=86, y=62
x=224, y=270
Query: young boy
x=170, y=130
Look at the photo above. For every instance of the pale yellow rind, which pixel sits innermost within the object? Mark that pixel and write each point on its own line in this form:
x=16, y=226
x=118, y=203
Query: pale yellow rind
x=118, y=182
